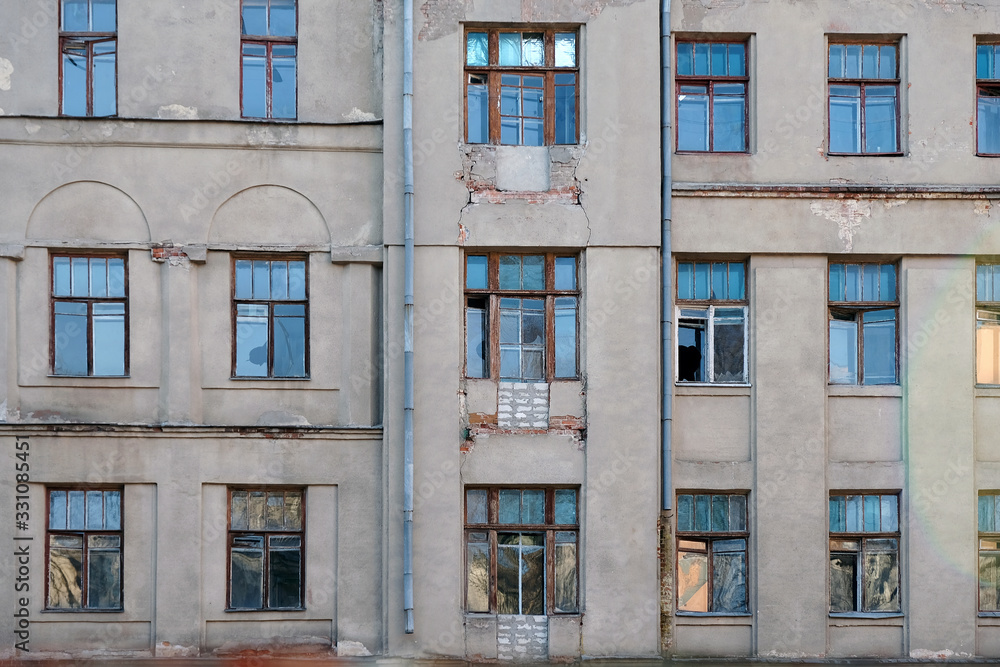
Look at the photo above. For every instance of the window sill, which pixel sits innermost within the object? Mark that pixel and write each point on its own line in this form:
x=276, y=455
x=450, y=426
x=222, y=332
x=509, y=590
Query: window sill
x=486, y=615
x=745, y=153
x=711, y=389
x=991, y=615
x=259, y=611
x=987, y=390
x=244, y=378
x=868, y=616
x=864, y=390
x=712, y=619
x=866, y=154
x=85, y=612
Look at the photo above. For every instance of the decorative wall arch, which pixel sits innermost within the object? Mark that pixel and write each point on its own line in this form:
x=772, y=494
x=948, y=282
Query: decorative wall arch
x=269, y=215
x=88, y=211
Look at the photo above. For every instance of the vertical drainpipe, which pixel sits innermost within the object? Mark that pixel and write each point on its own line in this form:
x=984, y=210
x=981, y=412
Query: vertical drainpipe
x=666, y=267
x=408, y=314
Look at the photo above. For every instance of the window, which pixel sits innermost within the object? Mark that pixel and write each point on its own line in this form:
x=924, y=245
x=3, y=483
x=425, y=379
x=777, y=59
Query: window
x=989, y=552
x=864, y=99
x=522, y=311
x=711, y=322
x=864, y=553
x=863, y=311
x=89, y=316
x=988, y=99
x=712, y=97
x=521, y=551
x=521, y=87
x=269, y=50
x=87, y=47
x=265, y=549
x=988, y=323
x=271, y=318
x=712, y=553
x=84, y=549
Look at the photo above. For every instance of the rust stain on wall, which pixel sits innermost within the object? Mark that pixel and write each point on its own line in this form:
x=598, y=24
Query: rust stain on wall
x=443, y=17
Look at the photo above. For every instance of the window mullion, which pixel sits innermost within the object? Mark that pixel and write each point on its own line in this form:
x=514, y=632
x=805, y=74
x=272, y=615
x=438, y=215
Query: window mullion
x=710, y=353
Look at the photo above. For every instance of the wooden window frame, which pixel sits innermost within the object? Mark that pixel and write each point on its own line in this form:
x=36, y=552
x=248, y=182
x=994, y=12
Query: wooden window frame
x=493, y=294
x=985, y=536
x=549, y=529
x=90, y=38
x=234, y=303
x=709, y=537
x=710, y=304
x=862, y=83
x=986, y=85
x=986, y=306
x=494, y=73
x=90, y=301
x=231, y=533
x=268, y=42
x=858, y=308
x=709, y=81
x=862, y=537
x=85, y=562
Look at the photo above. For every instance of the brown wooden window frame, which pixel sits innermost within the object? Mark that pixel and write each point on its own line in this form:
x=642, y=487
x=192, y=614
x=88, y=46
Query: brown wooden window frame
x=987, y=87
x=987, y=312
x=492, y=296
x=862, y=83
x=688, y=539
x=710, y=81
x=269, y=42
x=548, y=528
x=862, y=536
x=90, y=39
x=86, y=550
x=90, y=301
x=270, y=303
x=857, y=309
x=494, y=72
x=265, y=533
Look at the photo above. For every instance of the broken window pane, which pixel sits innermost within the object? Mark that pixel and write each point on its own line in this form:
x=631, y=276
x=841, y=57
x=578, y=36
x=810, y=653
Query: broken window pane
x=532, y=50
x=533, y=577
x=475, y=331
x=881, y=576
x=692, y=582
x=730, y=337
x=843, y=582
x=692, y=342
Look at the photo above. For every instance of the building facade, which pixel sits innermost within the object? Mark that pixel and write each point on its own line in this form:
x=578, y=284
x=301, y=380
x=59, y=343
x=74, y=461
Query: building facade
x=440, y=330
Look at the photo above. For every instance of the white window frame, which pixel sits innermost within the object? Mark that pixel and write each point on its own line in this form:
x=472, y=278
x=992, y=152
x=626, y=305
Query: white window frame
x=710, y=345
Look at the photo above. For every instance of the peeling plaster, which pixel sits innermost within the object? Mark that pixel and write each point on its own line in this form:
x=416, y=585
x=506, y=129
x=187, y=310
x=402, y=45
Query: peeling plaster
x=178, y=111
x=847, y=213
x=982, y=208
x=356, y=115
x=349, y=648
x=943, y=654
x=444, y=17
x=6, y=69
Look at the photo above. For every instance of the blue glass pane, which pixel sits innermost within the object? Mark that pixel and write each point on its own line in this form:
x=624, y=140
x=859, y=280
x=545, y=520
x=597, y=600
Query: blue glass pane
x=112, y=510
x=289, y=341
x=692, y=122
x=836, y=61
x=565, y=506
x=880, y=347
x=845, y=124
x=510, y=506
x=81, y=276
x=873, y=514
x=685, y=59
x=116, y=277
x=282, y=22
x=510, y=132
x=533, y=267
x=254, y=82
x=244, y=280
x=98, y=277
x=283, y=82
x=510, y=272
x=477, y=50
x=836, y=282
x=890, y=513
x=297, y=280
x=843, y=352
x=102, y=18
x=60, y=276
x=74, y=16
x=701, y=281
x=105, y=94
x=475, y=335
x=70, y=338
x=565, y=334
x=510, y=49
x=533, y=132
x=685, y=512
x=685, y=280
x=853, y=282
x=261, y=279
x=109, y=338
x=57, y=510
x=565, y=49
x=988, y=129
x=565, y=273
x=565, y=108
x=852, y=60
x=869, y=61
x=76, y=510
x=987, y=524
x=995, y=290
x=702, y=512
x=475, y=274
x=887, y=62
x=880, y=120
x=251, y=340
x=737, y=60
x=532, y=50
x=531, y=101
x=279, y=280
x=720, y=281
x=478, y=113
x=737, y=281
x=701, y=58
x=855, y=522
x=838, y=520
x=533, y=506
x=74, y=90
x=254, y=17
x=720, y=513
x=887, y=282
x=984, y=61
x=95, y=510
x=869, y=286
x=719, y=62
x=728, y=133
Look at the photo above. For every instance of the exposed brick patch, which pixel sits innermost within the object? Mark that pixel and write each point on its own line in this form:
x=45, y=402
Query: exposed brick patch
x=567, y=423
x=522, y=638
x=479, y=172
x=479, y=419
x=166, y=251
